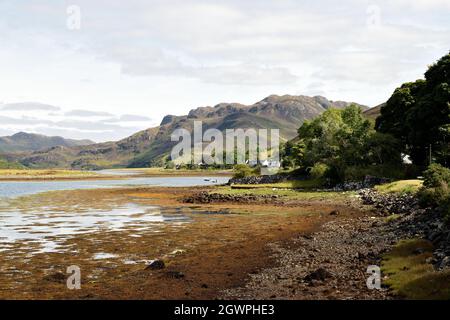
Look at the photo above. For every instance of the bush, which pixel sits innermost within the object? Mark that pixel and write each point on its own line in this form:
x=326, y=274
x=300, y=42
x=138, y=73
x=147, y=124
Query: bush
x=397, y=172
x=170, y=165
x=242, y=171
x=4, y=164
x=318, y=171
x=436, y=189
x=435, y=175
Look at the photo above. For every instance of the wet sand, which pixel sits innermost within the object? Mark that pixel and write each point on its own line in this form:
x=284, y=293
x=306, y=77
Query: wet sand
x=215, y=248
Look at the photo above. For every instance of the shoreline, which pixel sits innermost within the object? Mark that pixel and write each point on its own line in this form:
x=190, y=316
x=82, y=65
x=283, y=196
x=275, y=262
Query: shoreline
x=219, y=249
x=93, y=175
x=305, y=248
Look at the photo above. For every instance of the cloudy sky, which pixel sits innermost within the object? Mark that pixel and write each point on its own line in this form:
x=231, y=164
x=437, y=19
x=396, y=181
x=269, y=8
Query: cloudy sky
x=103, y=69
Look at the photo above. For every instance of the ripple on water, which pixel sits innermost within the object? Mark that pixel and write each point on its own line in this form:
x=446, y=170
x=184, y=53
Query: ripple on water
x=104, y=255
x=10, y=189
x=46, y=231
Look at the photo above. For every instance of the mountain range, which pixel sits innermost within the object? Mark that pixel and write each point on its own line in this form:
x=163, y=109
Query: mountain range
x=24, y=142
x=151, y=147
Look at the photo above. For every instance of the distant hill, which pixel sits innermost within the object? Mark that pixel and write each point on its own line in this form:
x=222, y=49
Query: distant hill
x=150, y=147
x=374, y=112
x=23, y=142
x=5, y=164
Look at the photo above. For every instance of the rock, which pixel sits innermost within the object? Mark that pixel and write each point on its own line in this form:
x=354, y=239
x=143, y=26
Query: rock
x=175, y=274
x=389, y=203
x=156, y=265
x=334, y=213
x=319, y=275
x=368, y=182
x=206, y=197
x=445, y=263
x=361, y=256
x=262, y=179
x=56, y=277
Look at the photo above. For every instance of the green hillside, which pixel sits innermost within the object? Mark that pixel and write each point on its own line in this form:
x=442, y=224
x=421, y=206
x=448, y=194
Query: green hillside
x=152, y=146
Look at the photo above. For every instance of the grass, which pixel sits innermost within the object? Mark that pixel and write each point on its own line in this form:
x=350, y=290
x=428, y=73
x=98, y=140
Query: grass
x=401, y=186
x=294, y=184
x=79, y=174
x=410, y=276
x=280, y=189
x=163, y=171
x=301, y=190
x=392, y=217
x=45, y=173
x=10, y=165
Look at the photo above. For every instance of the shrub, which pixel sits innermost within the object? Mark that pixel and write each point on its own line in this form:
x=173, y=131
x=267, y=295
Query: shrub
x=4, y=164
x=435, y=175
x=434, y=196
x=170, y=165
x=436, y=190
x=318, y=171
x=357, y=173
x=242, y=171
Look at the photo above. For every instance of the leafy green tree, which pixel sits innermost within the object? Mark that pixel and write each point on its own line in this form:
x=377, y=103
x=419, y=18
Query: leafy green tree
x=291, y=154
x=336, y=136
x=418, y=114
x=382, y=148
x=340, y=138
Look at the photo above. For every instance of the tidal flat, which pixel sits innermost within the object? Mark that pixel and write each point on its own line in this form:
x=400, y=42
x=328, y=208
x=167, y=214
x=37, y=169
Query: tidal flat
x=112, y=234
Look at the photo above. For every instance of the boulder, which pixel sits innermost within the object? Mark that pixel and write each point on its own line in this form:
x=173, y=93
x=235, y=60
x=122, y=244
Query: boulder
x=156, y=265
x=320, y=274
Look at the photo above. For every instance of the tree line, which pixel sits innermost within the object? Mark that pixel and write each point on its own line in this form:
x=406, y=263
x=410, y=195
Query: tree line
x=342, y=144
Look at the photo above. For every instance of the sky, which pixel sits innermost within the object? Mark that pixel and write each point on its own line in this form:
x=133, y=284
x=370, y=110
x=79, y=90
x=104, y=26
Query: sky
x=103, y=70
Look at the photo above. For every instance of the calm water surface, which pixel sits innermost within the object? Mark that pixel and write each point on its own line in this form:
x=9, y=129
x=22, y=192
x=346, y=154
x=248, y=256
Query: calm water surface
x=45, y=228
x=21, y=188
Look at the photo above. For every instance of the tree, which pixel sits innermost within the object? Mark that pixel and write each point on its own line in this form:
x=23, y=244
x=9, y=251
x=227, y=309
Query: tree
x=291, y=154
x=382, y=148
x=418, y=114
x=340, y=138
x=337, y=136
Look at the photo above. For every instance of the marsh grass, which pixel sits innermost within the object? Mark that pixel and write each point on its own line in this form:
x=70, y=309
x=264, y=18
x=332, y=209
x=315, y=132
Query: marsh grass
x=50, y=173
x=401, y=186
x=282, y=190
x=293, y=184
x=410, y=276
x=159, y=171
x=392, y=217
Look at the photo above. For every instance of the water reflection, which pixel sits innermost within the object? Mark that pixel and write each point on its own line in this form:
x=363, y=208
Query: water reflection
x=47, y=229
x=20, y=188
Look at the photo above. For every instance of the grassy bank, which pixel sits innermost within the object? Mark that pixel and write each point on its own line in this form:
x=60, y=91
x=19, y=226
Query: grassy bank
x=294, y=184
x=285, y=190
x=179, y=172
x=401, y=186
x=50, y=174
x=61, y=174
x=409, y=274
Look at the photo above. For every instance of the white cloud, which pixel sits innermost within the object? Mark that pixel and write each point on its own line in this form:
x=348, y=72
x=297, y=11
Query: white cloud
x=28, y=106
x=78, y=124
x=87, y=113
x=156, y=57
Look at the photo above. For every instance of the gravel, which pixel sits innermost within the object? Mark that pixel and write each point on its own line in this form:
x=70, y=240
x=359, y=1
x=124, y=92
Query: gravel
x=332, y=263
